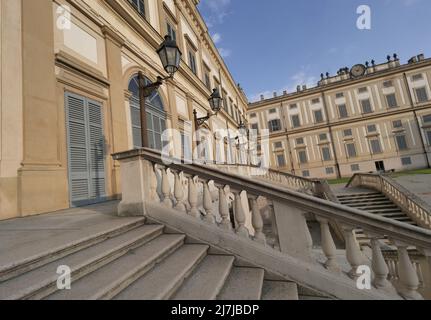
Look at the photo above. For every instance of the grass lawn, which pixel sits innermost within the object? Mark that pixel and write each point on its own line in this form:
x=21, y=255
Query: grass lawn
x=339, y=181
x=411, y=173
x=393, y=175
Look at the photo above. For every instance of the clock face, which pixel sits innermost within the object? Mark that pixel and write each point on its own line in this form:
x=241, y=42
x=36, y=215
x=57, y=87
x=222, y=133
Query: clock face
x=358, y=70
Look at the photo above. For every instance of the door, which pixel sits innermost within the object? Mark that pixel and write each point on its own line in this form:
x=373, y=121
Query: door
x=380, y=166
x=86, y=150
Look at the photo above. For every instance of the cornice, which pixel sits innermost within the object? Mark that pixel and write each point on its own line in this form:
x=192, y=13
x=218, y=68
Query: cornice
x=341, y=84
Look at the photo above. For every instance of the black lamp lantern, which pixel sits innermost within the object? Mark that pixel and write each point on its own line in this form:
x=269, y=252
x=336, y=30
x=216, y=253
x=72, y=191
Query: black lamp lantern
x=242, y=126
x=215, y=101
x=170, y=55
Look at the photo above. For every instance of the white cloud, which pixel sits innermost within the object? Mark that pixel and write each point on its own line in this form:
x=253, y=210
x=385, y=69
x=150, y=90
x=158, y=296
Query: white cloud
x=224, y=52
x=301, y=78
x=216, y=37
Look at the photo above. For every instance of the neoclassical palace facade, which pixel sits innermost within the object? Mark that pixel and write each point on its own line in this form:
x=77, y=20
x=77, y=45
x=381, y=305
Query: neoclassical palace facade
x=372, y=117
x=69, y=94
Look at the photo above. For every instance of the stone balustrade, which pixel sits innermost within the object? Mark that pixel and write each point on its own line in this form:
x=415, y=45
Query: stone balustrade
x=237, y=208
x=417, y=209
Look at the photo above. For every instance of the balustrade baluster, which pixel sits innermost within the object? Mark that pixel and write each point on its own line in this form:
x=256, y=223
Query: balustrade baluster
x=353, y=252
x=153, y=185
x=166, y=188
x=240, y=216
x=179, y=192
x=224, y=208
x=328, y=245
x=407, y=274
x=208, y=203
x=257, y=221
x=378, y=264
x=193, y=197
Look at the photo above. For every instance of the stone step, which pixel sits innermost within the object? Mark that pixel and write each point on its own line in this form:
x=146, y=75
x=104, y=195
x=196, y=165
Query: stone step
x=114, y=277
x=42, y=281
x=360, y=196
x=162, y=282
x=243, y=284
x=206, y=282
x=279, y=290
x=344, y=195
x=375, y=201
x=359, y=205
x=95, y=236
x=365, y=199
x=397, y=210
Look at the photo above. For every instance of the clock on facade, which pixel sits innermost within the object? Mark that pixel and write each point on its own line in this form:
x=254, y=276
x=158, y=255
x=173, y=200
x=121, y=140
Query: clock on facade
x=358, y=70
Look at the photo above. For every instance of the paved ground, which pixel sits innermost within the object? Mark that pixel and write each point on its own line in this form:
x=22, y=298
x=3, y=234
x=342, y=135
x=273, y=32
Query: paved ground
x=419, y=184
x=24, y=237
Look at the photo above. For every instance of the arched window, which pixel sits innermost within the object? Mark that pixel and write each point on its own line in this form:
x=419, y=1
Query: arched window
x=156, y=116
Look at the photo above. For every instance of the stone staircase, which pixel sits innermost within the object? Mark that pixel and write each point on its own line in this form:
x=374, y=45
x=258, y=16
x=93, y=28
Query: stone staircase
x=142, y=261
x=373, y=202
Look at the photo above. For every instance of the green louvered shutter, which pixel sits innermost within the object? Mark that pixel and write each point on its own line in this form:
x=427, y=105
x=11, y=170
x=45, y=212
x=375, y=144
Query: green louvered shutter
x=86, y=150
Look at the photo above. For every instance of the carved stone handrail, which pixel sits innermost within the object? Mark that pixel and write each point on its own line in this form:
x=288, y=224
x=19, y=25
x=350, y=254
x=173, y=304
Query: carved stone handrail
x=146, y=178
x=417, y=209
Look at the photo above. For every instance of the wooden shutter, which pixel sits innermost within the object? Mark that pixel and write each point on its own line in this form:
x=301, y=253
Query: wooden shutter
x=86, y=150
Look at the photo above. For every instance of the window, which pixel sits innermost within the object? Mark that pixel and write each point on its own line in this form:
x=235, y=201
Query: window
x=305, y=173
x=156, y=116
x=366, y=106
x=355, y=167
x=139, y=6
x=281, y=161
x=274, y=125
x=278, y=145
x=326, y=154
x=342, y=111
x=391, y=100
x=300, y=141
x=255, y=127
x=186, y=150
x=302, y=155
x=428, y=133
x=363, y=90
x=225, y=102
x=339, y=95
x=401, y=142
x=171, y=31
x=421, y=94
x=417, y=77
x=347, y=133
x=372, y=128
x=296, y=122
x=323, y=137
x=318, y=116
x=427, y=118
x=329, y=170
x=207, y=77
x=315, y=101
x=293, y=106
x=351, y=150
x=375, y=146
x=271, y=111
x=406, y=161
x=253, y=115
x=388, y=84
x=192, y=61
x=397, y=124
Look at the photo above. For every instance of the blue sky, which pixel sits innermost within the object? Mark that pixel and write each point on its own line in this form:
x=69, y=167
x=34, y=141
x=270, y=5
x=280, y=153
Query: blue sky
x=274, y=45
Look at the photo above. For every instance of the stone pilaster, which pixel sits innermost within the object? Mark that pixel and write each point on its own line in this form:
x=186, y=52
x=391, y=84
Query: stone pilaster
x=42, y=181
x=116, y=110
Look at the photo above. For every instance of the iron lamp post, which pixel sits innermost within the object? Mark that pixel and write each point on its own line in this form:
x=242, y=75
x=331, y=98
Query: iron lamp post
x=170, y=56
